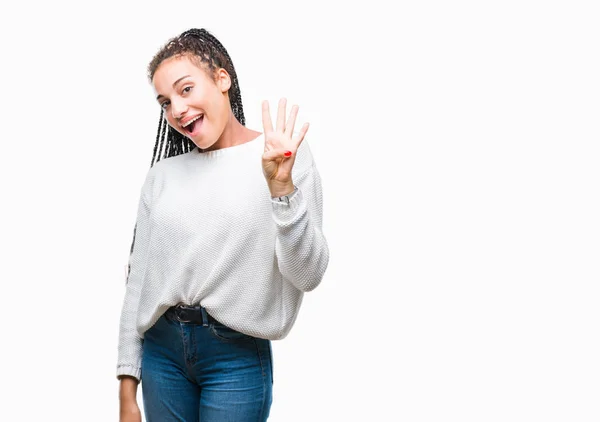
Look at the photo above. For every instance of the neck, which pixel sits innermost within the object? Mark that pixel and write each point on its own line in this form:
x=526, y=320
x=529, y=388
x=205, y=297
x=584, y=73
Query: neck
x=234, y=134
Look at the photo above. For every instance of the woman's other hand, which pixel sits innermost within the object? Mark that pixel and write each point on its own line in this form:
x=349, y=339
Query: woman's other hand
x=129, y=411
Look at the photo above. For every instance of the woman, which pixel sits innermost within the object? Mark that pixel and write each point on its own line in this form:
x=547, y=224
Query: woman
x=223, y=248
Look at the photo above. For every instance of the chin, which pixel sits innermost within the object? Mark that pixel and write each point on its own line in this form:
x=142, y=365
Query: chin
x=202, y=143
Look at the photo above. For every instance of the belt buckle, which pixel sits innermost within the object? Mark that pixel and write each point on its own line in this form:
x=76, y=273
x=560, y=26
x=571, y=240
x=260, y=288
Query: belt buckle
x=179, y=309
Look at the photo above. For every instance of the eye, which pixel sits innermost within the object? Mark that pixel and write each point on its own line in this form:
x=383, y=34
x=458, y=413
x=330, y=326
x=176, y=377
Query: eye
x=187, y=89
x=164, y=105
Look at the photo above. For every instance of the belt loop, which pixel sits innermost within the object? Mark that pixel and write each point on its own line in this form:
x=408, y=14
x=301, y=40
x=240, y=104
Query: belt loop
x=204, y=316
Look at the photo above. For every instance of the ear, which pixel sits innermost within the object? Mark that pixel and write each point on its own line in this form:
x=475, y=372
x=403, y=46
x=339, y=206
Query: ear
x=223, y=80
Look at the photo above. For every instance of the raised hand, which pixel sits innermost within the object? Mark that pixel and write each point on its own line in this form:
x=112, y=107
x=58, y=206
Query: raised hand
x=280, y=148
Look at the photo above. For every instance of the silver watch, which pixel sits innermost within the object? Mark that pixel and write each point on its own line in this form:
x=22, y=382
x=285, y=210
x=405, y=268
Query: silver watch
x=285, y=198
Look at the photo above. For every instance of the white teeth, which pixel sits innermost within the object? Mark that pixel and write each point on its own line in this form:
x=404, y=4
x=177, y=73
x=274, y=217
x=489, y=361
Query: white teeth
x=193, y=120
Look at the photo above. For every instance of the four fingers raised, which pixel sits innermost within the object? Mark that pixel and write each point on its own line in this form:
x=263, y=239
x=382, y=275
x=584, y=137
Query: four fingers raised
x=283, y=127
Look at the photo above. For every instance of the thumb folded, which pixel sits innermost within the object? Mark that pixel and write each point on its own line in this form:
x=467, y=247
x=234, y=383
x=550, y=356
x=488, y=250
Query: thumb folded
x=276, y=153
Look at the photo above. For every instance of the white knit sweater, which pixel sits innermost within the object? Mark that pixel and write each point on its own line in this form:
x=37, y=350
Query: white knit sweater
x=209, y=233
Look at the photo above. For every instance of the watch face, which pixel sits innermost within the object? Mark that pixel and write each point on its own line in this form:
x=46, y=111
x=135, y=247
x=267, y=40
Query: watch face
x=286, y=198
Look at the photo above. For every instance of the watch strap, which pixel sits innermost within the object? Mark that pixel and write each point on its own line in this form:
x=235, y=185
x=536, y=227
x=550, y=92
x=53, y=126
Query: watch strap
x=285, y=198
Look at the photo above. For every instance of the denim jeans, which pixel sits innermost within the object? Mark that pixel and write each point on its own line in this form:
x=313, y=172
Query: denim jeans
x=207, y=373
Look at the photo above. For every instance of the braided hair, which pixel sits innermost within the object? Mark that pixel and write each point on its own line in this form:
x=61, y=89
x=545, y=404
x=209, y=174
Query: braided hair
x=207, y=52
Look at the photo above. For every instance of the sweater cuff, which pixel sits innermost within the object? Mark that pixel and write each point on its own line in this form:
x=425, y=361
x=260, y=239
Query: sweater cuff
x=132, y=371
x=286, y=213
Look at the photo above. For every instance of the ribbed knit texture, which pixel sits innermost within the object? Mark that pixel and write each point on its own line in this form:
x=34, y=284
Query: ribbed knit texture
x=209, y=233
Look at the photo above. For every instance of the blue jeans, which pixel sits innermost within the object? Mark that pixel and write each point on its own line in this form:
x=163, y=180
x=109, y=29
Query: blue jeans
x=207, y=373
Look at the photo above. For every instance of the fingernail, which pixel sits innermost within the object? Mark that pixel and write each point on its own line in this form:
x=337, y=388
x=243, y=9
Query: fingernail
x=288, y=153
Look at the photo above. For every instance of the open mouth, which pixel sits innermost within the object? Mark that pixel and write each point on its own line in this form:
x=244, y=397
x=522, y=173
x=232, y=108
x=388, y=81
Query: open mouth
x=192, y=127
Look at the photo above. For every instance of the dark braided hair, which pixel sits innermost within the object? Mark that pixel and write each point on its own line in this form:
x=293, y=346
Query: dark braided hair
x=207, y=52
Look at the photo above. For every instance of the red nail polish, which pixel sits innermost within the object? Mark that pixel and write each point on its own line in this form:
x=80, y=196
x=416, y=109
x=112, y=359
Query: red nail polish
x=288, y=153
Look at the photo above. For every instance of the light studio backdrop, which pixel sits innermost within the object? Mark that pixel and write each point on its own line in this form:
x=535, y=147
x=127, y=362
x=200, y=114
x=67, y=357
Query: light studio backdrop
x=458, y=148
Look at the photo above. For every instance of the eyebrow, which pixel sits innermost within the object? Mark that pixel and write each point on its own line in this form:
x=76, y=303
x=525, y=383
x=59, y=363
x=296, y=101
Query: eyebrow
x=174, y=83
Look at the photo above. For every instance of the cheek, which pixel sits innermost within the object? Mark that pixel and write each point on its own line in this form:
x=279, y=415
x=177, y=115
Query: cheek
x=216, y=102
x=215, y=114
x=222, y=108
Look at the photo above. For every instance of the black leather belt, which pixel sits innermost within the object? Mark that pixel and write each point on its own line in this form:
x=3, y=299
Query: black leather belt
x=189, y=314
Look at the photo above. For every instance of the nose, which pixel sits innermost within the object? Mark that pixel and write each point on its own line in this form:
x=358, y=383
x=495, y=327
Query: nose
x=178, y=109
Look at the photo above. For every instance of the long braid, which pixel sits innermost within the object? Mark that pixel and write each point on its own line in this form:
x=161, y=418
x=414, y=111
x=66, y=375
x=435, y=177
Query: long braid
x=160, y=124
x=201, y=45
x=163, y=132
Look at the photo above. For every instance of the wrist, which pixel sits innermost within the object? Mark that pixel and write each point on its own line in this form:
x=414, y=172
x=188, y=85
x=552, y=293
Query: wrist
x=127, y=399
x=128, y=389
x=283, y=189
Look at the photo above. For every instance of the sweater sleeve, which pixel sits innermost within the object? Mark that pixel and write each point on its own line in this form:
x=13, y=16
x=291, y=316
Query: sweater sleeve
x=130, y=342
x=301, y=248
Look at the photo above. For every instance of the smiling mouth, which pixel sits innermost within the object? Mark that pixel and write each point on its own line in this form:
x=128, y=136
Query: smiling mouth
x=194, y=124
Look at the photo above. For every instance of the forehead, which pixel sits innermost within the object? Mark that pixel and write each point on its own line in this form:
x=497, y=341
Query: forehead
x=173, y=69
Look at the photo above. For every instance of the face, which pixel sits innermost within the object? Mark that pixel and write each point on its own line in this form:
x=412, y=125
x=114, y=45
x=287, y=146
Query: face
x=194, y=104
